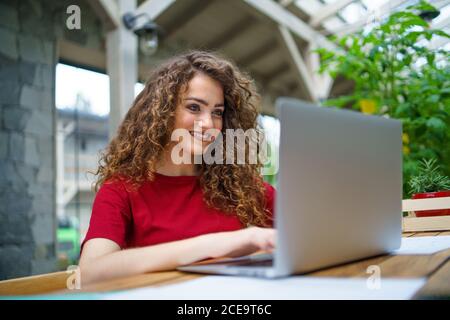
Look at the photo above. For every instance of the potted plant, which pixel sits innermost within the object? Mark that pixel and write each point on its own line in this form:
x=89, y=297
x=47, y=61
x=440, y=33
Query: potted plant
x=396, y=74
x=430, y=183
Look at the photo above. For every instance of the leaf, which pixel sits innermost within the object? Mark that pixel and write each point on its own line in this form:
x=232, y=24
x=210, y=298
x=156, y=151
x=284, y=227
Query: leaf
x=421, y=6
x=382, y=64
x=436, y=123
x=433, y=98
x=339, y=102
x=413, y=36
x=440, y=33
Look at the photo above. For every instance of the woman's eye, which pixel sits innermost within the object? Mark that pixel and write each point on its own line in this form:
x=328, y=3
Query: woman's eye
x=194, y=107
x=218, y=113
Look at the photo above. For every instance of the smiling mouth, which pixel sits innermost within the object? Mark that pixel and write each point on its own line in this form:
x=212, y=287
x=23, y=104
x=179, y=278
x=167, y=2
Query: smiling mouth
x=205, y=137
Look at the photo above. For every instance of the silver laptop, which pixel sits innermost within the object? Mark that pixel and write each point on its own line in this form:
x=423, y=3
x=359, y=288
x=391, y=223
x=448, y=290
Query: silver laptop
x=339, y=192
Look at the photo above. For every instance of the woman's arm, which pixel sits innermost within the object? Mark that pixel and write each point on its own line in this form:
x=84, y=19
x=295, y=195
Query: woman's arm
x=103, y=259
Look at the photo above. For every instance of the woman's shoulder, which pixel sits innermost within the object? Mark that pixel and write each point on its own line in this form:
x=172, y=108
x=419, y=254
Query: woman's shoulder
x=117, y=185
x=270, y=195
x=270, y=190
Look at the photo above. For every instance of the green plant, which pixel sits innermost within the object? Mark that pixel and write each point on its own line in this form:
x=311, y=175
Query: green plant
x=396, y=73
x=429, y=179
x=271, y=167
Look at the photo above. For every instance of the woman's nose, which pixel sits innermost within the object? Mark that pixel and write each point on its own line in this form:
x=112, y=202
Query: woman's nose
x=206, y=121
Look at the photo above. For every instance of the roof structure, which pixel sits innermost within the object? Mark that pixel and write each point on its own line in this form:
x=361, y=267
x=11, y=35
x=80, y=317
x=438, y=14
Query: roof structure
x=272, y=40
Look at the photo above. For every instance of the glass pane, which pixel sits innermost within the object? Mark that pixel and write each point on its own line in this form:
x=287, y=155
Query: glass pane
x=82, y=102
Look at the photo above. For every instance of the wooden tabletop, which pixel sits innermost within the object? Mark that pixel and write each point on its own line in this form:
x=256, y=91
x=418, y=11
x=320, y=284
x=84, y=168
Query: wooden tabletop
x=435, y=267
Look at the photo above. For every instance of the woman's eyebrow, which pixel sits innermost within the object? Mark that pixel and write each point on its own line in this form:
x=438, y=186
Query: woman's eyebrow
x=204, y=102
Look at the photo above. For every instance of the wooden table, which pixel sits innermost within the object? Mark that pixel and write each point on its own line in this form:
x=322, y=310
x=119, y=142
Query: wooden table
x=436, y=268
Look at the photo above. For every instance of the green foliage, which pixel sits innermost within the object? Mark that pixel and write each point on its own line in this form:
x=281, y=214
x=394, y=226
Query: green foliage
x=395, y=74
x=271, y=167
x=429, y=179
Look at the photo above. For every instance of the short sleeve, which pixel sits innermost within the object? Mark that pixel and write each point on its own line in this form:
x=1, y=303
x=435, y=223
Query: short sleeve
x=111, y=214
x=270, y=202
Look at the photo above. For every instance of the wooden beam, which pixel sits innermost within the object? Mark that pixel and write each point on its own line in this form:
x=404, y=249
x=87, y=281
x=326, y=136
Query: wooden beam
x=81, y=55
x=312, y=60
x=94, y=59
x=282, y=17
x=286, y=3
x=384, y=10
x=268, y=82
x=184, y=17
x=276, y=72
x=258, y=53
x=108, y=12
x=438, y=42
x=441, y=24
x=378, y=13
x=327, y=11
x=292, y=7
x=154, y=8
x=298, y=64
x=121, y=62
x=234, y=31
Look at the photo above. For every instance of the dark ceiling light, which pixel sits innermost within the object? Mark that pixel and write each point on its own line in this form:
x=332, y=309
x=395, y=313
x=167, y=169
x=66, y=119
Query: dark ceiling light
x=148, y=33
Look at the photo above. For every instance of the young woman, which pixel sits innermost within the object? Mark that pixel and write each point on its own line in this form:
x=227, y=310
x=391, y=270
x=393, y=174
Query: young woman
x=152, y=213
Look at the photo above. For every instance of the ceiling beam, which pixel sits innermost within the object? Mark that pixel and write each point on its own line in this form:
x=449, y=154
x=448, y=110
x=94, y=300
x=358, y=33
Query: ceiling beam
x=323, y=82
x=440, y=25
x=108, y=12
x=292, y=7
x=438, y=43
x=154, y=8
x=234, y=31
x=275, y=88
x=385, y=9
x=275, y=73
x=73, y=52
x=184, y=17
x=298, y=64
x=381, y=12
x=327, y=11
x=283, y=17
x=286, y=3
x=258, y=53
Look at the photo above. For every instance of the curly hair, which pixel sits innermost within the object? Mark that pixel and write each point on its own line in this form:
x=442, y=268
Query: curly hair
x=134, y=152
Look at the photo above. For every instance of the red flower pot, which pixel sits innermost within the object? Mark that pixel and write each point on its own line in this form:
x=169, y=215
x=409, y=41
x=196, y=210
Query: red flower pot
x=427, y=195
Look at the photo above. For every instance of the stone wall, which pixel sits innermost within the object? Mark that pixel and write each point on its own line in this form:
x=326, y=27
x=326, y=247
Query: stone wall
x=29, y=30
x=29, y=34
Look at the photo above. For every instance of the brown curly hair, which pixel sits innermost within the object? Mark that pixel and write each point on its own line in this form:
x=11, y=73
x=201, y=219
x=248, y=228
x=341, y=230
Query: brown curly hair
x=146, y=130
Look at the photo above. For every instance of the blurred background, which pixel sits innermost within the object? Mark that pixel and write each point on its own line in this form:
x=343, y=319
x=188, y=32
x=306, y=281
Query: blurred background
x=69, y=70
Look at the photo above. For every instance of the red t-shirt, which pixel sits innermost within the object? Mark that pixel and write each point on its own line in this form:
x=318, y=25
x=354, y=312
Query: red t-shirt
x=163, y=210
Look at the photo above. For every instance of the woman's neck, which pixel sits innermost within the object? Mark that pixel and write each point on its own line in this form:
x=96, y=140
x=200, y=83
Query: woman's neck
x=168, y=168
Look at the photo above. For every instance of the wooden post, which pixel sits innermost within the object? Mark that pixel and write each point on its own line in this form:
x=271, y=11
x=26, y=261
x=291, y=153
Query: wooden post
x=122, y=61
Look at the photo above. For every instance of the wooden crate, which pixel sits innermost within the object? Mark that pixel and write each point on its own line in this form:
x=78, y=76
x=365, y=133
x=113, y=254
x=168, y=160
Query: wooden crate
x=411, y=223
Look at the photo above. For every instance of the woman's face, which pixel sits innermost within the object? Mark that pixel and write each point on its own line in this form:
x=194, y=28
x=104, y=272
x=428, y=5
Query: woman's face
x=200, y=113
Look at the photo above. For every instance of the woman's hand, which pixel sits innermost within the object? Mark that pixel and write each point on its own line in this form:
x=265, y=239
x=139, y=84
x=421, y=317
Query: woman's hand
x=240, y=243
